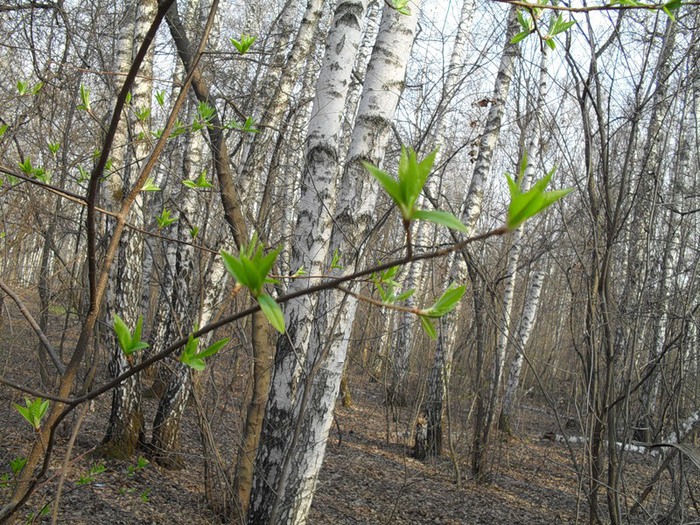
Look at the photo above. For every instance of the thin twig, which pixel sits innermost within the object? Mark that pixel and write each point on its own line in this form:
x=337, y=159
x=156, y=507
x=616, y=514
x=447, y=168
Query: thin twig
x=35, y=326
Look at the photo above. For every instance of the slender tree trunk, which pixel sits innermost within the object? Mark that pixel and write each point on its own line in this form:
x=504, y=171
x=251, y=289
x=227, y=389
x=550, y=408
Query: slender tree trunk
x=527, y=322
x=283, y=487
x=126, y=425
x=644, y=213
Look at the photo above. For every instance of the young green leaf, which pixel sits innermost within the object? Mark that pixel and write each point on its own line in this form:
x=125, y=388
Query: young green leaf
x=335, y=263
x=150, y=185
x=401, y=6
x=272, y=311
x=252, y=266
x=672, y=5
x=142, y=114
x=447, y=301
x=26, y=166
x=17, y=465
x=411, y=179
x=520, y=37
x=84, y=98
x=128, y=343
x=428, y=326
x=205, y=111
x=33, y=411
x=214, y=348
x=195, y=359
x=389, y=183
x=445, y=218
x=201, y=181
x=3, y=129
x=123, y=333
x=165, y=219
x=243, y=45
x=82, y=174
x=526, y=205
x=160, y=98
x=54, y=147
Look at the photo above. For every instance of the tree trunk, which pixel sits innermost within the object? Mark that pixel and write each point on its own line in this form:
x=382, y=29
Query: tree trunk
x=126, y=425
x=527, y=322
x=285, y=477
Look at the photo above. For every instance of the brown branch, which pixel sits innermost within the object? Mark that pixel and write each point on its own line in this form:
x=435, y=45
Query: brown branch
x=587, y=9
x=331, y=283
x=79, y=199
x=35, y=326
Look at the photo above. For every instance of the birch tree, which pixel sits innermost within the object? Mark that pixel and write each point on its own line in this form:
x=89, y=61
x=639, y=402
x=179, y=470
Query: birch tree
x=126, y=425
x=527, y=322
x=285, y=477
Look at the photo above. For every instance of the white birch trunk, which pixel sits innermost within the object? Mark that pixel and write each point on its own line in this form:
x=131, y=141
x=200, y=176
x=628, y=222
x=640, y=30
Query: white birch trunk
x=278, y=86
x=404, y=339
x=125, y=429
x=527, y=322
x=353, y=221
x=532, y=150
x=182, y=310
x=280, y=495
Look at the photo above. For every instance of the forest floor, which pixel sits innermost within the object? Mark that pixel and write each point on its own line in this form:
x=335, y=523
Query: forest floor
x=368, y=476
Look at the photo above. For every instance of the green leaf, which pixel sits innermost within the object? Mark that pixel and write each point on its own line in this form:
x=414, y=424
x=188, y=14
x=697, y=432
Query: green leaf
x=84, y=98
x=214, y=348
x=205, y=111
x=150, y=185
x=252, y=266
x=128, y=343
x=405, y=295
x=520, y=36
x=335, y=263
x=201, y=181
x=444, y=218
x=447, y=301
x=142, y=114
x=33, y=411
x=389, y=183
x=525, y=205
x=165, y=219
x=673, y=5
x=17, y=465
x=3, y=129
x=26, y=166
x=123, y=333
x=243, y=45
x=83, y=175
x=401, y=6
x=272, y=311
x=234, y=266
x=428, y=326
x=413, y=174
x=54, y=147
x=525, y=23
x=160, y=98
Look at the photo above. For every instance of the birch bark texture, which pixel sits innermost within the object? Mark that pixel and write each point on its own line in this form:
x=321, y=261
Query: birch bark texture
x=285, y=479
x=532, y=142
x=431, y=424
x=126, y=425
x=527, y=322
x=403, y=341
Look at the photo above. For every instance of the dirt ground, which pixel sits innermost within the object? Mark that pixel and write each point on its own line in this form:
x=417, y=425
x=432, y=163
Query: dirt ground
x=366, y=478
